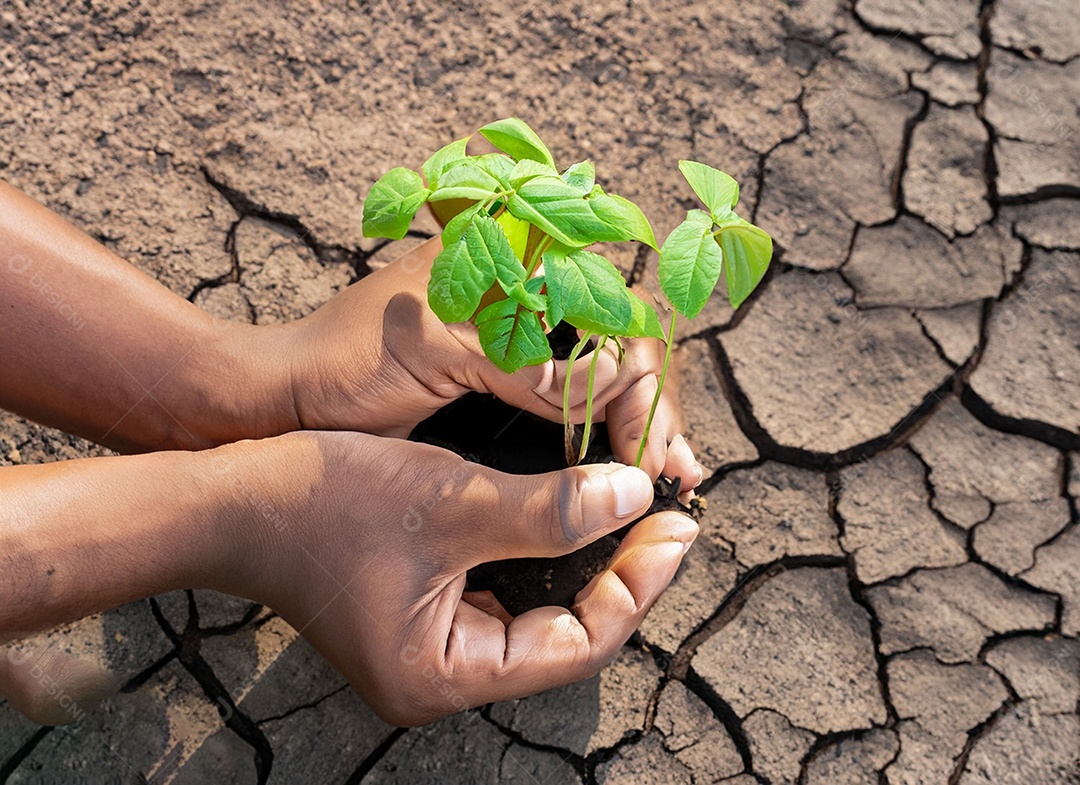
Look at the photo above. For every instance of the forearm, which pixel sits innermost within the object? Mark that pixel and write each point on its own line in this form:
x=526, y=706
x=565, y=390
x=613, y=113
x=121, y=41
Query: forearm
x=83, y=536
x=95, y=347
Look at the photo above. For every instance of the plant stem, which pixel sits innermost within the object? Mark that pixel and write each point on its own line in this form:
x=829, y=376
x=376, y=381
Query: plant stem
x=538, y=254
x=489, y=203
x=659, y=389
x=589, y=398
x=568, y=427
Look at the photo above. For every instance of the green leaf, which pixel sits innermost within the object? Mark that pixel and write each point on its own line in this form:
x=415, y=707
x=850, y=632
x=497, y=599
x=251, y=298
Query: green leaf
x=689, y=265
x=496, y=246
x=717, y=190
x=516, y=139
x=498, y=166
x=512, y=336
x=622, y=212
x=526, y=169
x=468, y=180
x=747, y=253
x=443, y=159
x=547, y=203
x=574, y=220
x=456, y=285
x=581, y=176
x=644, y=323
x=392, y=203
x=586, y=290
x=554, y=312
x=516, y=231
x=731, y=219
x=457, y=225
x=464, y=271
x=520, y=293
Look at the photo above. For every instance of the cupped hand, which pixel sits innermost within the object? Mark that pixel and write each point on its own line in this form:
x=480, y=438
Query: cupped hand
x=367, y=552
x=376, y=359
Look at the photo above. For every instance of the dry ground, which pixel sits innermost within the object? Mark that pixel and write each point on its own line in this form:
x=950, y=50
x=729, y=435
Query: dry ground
x=886, y=589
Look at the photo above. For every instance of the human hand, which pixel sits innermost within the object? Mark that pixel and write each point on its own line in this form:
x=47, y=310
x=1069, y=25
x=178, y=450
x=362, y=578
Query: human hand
x=377, y=359
x=367, y=549
x=360, y=542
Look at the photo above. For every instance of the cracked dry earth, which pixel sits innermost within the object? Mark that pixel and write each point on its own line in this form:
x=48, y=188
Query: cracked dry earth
x=886, y=589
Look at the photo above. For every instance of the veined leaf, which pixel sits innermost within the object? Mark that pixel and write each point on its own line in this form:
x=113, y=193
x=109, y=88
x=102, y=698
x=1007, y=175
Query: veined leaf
x=392, y=203
x=464, y=271
x=586, y=290
x=747, y=253
x=468, y=180
x=581, y=176
x=496, y=245
x=442, y=159
x=553, y=314
x=517, y=140
x=526, y=169
x=489, y=240
x=620, y=211
x=570, y=218
x=731, y=219
x=644, y=323
x=457, y=225
x=498, y=166
x=512, y=336
x=689, y=265
x=456, y=285
x=717, y=190
x=520, y=294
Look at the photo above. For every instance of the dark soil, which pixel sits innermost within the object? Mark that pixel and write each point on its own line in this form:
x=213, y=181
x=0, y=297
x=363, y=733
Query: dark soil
x=563, y=339
x=485, y=430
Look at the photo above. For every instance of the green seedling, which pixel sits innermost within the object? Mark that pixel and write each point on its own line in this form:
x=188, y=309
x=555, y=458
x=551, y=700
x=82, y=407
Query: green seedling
x=515, y=211
x=699, y=249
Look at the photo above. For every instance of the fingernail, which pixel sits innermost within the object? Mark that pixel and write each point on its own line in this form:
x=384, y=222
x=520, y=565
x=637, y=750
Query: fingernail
x=633, y=490
x=684, y=529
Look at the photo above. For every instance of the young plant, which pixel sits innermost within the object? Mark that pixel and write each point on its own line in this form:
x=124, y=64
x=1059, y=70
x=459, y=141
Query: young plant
x=513, y=210
x=699, y=249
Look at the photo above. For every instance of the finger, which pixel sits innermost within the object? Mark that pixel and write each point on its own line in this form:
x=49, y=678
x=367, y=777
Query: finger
x=549, y=647
x=486, y=602
x=539, y=389
x=680, y=463
x=605, y=377
x=626, y=419
x=556, y=513
x=679, y=460
x=530, y=388
x=614, y=603
x=417, y=260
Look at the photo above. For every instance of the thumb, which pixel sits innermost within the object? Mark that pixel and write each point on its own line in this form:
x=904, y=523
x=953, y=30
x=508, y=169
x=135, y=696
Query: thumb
x=556, y=513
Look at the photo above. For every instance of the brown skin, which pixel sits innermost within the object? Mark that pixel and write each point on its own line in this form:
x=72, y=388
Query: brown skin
x=358, y=540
